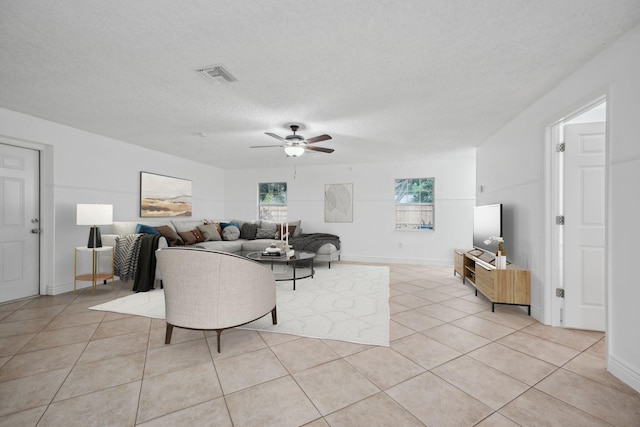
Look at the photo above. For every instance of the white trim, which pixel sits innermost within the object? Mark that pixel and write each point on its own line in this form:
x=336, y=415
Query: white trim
x=47, y=219
x=624, y=372
x=551, y=230
x=553, y=268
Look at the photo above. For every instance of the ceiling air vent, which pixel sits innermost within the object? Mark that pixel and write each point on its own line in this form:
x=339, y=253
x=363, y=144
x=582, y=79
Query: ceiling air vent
x=217, y=75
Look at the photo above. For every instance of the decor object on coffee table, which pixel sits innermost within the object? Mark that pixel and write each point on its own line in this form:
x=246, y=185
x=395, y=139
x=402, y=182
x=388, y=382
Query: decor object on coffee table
x=208, y=290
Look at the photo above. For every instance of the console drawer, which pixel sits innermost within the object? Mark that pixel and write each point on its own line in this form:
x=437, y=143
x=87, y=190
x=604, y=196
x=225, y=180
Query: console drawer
x=485, y=281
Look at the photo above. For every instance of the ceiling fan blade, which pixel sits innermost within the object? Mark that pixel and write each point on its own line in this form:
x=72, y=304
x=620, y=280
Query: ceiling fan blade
x=265, y=146
x=276, y=136
x=317, y=139
x=320, y=149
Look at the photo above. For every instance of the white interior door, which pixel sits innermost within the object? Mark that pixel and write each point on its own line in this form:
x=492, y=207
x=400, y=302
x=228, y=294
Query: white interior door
x=19, y=217
x=584, y=226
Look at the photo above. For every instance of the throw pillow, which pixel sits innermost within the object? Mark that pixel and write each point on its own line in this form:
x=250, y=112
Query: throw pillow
x=265, y=233
x=198, y=234
x=217, y=224
x=230, y=232
x=186, y=225
x=209, y=232
x=270, y=225
x=298, y=228
x=146, y=229
x=224, y=225
x=169, y=233
x=191, y=237
x=292, y=230
x=248, y=231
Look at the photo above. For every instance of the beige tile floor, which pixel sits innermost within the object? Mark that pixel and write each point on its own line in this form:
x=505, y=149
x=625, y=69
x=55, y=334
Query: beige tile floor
x=451, y=362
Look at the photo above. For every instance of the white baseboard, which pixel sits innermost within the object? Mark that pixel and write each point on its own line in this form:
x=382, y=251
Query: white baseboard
x=64, y=287
x=68, y=287
x=624, y=372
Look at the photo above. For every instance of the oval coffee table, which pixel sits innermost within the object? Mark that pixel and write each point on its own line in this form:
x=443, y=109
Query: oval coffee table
x=295, y=270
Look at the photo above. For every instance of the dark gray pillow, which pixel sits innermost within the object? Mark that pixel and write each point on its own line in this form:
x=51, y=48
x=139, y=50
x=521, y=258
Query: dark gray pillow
x=265, y=233
x=230, y=232
x=248, y=231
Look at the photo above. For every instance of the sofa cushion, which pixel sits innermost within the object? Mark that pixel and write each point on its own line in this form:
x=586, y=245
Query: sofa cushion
x=242, y=222
x=230, y=232
x=182, y=226
x=217, y=224
x=276, y=226
x=257, y=245
x=210, y=232
x=173, y=239
x=129, y=227
x=224, y=224
x=233, y=247
x=265, y=233
x=191, y=237
x=270, y=225
x=298, y=228
x=146, y=229
x=248, y=231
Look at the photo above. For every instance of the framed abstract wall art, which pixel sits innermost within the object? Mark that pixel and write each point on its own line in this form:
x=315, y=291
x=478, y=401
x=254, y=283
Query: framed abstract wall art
x=164, y=196
x=338, y=203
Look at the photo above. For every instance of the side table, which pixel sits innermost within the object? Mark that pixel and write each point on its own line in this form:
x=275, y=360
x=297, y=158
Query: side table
x=95, y=275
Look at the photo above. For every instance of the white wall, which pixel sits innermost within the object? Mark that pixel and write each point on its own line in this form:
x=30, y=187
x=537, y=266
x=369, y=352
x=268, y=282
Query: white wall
x=81, y=167
x=511, y=165
x=371, y=237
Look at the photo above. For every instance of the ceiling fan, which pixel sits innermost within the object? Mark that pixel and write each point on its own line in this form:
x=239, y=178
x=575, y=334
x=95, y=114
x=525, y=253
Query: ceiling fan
x=295, y=145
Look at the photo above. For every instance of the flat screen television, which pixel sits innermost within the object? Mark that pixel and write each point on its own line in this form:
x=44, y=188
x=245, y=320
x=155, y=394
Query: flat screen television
x=487, y=222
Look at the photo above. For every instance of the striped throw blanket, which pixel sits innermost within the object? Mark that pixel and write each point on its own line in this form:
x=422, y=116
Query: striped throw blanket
x=125, y=256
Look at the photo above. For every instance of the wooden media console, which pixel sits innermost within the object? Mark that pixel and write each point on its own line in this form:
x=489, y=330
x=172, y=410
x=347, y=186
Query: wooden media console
x=510, y=286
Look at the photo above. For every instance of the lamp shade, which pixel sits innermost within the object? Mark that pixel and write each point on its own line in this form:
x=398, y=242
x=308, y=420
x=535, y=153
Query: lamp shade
x=294, y=150
x=94, y=214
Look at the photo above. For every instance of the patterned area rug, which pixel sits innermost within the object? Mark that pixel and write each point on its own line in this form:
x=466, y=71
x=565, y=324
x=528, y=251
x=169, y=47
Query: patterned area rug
x=345, y=303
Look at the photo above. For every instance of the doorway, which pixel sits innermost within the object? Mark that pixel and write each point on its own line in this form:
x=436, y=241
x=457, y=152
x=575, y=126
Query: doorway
x=579, y=183
x=19, y=222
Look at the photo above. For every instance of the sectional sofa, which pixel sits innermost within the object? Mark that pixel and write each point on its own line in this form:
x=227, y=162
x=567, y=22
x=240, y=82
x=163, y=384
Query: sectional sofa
x=233, y=236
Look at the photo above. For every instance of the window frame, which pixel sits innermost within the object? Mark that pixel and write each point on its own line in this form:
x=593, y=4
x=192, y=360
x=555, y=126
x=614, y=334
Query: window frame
x=273, y=211
x=425, y=207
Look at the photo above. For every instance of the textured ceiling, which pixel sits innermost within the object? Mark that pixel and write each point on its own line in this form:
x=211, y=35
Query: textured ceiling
x=387, y=79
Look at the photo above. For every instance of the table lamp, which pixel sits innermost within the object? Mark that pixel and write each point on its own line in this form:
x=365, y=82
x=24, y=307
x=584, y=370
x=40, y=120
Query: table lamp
x=94, y=215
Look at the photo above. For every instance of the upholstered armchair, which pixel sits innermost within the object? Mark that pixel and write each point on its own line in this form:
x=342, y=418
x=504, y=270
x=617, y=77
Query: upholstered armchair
x=208, y=290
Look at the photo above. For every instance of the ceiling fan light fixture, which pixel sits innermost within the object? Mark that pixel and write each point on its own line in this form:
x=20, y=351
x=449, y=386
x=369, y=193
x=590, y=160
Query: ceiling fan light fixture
x=294, y=150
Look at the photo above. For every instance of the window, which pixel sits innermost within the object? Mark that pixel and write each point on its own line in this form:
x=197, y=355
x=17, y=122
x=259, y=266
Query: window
x=414, y=203
x=272, y=201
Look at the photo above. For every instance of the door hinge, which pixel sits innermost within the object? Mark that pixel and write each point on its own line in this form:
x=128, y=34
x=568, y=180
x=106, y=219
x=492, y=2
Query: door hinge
x=560, y=147
x=560, y=220
x=560, y=292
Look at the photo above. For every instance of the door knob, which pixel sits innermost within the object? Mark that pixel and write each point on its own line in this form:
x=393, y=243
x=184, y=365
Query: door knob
x=36, y=231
